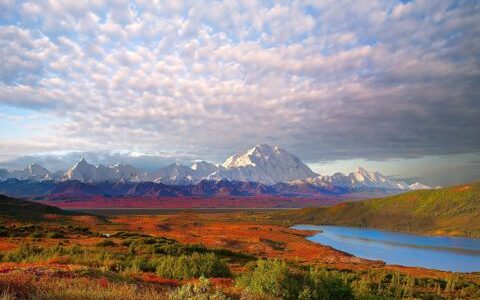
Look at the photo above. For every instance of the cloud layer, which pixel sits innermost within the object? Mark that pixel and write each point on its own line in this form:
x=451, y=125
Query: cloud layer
x=325, y=79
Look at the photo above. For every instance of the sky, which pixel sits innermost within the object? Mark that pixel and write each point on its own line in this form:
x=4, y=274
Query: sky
x=390, y=85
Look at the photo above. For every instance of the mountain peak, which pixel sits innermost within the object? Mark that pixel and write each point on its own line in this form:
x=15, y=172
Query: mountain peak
x=36, y=171
x=419, y=186
x=360, y=169
x=265, y=164
x=35, y=167
x=82, y=161
x=265, y=148
x=83, y=171
x=251, y=157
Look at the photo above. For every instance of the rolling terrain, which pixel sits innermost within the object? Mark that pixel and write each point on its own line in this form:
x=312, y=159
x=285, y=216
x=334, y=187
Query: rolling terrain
x=17, y=209
x=47, y=253
x=446, y=211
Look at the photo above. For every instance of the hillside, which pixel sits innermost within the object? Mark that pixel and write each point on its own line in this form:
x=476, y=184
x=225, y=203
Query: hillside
x=23, y=210
x=450, y=211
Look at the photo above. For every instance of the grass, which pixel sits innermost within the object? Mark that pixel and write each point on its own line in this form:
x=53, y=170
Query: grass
x=448, y=211
x=25, y=286
x=118, y=271
x=132, y=265
x=41, y=231
x=175, y=267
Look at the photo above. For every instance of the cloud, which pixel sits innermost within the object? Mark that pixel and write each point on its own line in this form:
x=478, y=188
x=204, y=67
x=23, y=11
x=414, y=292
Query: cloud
x=326, y=80
x=62, y=161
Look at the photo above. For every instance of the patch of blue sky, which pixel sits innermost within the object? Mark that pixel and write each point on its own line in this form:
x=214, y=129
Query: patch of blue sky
x=20, y=123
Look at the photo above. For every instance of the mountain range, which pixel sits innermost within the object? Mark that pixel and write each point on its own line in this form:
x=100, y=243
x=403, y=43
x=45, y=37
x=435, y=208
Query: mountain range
x=267, y=169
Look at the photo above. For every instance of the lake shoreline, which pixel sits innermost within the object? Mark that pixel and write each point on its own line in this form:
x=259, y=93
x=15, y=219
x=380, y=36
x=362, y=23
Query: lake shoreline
x=443, y=253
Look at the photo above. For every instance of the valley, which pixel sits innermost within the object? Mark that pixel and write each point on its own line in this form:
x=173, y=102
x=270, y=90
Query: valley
x=225, y=232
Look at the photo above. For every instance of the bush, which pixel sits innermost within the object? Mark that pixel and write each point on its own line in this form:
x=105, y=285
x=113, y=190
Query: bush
x=201, y=290
x=174, y=267
x=143, y=264
x=170, y=248
x=191, y=266
x=55, y=235
x=105, y=243
x=320, y=284
x=36, y=234
x=273, y=278
x=25, y=251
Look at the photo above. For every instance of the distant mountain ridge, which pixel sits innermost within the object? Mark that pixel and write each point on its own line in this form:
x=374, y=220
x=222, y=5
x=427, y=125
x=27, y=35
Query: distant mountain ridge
x=71, y=189
x=85, y=172
x=261, y=164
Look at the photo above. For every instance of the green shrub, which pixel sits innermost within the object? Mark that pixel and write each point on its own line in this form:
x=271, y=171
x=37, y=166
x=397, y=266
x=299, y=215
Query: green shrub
x=105, y=243
x=190, y=266
x=142, y=264
x=55, y=235
x=320, y=284
x=170, y=248
x=25, y=251
x=175, y=267
x=273, y=278
x=37, y=234
x=201, y=290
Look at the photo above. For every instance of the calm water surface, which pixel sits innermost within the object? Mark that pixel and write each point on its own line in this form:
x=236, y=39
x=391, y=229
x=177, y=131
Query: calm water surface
x=442, y=253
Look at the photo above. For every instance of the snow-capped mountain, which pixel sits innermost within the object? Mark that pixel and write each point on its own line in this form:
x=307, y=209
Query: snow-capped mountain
x=419, y=186
x=203, y=168
x=175, y=174
x=85, y=172
x=264, y=164
x=31, y=172
x=38, y=172
x=261, y=164
x=359, y=180
x=362, y=178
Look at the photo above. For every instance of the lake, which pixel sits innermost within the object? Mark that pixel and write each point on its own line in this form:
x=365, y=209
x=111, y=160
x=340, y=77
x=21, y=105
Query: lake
x=433, y=252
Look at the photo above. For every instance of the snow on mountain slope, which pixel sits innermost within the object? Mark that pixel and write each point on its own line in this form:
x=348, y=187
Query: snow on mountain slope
x=175, y=174
x=264, y=164
x=82, y=171
x=37, y=172
x=85, y=172
x=32, y=172
x=203, y=168
x=358, y=180
x=361, y=178
x=419, y=186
